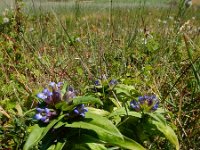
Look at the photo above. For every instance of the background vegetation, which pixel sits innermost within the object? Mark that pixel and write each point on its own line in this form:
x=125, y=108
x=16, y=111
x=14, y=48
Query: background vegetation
x=151, y=45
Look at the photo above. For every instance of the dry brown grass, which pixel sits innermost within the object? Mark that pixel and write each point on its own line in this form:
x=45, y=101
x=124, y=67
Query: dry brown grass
x=196, y=2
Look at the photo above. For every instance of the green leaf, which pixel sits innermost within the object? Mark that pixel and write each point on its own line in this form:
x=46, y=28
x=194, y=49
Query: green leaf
x=60, y=145
x=105, y=130
x=122, y=112
x=52, y=147
x=59, y=124
x=34, y=136
x=99, y=124
x=98, y=111
x=78, y=100
x=115, y=102
x=96, y=146
x=38, y=133
x=129, y=144
x=162, y=126
x=86, y=100
x=124, y=89
x=57, y=146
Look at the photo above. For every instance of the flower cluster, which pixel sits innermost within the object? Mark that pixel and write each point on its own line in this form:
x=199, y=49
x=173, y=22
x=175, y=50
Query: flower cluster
x=51, y=97
x=80, y=110
x=44, y=114
x=46, y=110
x=70, y=94
x=145, y=103
x=112, y=82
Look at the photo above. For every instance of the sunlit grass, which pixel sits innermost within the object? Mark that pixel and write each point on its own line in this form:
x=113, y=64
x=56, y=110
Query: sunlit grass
x=78, y=42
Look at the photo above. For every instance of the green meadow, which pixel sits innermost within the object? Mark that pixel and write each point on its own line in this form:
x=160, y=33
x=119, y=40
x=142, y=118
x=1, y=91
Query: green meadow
x=150, y=47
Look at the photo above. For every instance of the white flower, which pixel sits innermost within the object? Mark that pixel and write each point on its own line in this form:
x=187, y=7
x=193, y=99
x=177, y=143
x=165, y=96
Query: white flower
x=31, y=29
x=5, y=20
x=78, y=39
x=164, y=22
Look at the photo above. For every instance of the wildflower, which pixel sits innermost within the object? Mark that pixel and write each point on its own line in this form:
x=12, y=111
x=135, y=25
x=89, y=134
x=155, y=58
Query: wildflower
x=6, y=20
x=145, y=103
x=78, y=39
x=97, y=83
x=70, y=94
x=38, y=116
x=113, y=82
x=51, y=97
x=80, y=110
x=135, y=105
x=44, y=114
x=46, y=95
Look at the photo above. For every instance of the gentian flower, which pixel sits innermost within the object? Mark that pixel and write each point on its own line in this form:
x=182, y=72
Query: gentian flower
x=135, y=105
x=38, y=116
x=44, y=114
x=113, y=82
x=145, y=103
x=97, y=83
x=53, y=97
x=70, y=94
x=79, y=110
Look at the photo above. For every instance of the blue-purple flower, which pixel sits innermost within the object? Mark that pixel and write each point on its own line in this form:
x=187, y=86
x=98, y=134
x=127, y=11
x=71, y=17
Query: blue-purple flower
x=44, y=114
x=80, y=110
x=51, y=97
x=145, y=103
x=46, y=110
x=97, y=83
x=113, y=82
x=70, y=94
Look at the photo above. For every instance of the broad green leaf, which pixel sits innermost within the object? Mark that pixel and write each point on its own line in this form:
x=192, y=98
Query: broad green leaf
x=157, y=116
x=162, y=126
x=129, y=144
x=52, y=147
x=63, y=105
x=124, y=89
x=34, y=136
x=98, y=111
x=57, y=146
x=124, y=86
x=105, y=130
x=86, y=100
x=78, y=100
x=38, y=133
x=96, y=146
x=59, y=124
x=97, y=123
x=60, y=145
x=122, y=112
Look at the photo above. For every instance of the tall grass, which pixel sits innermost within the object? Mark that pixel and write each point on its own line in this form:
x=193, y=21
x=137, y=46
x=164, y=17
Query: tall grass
x=153, y=48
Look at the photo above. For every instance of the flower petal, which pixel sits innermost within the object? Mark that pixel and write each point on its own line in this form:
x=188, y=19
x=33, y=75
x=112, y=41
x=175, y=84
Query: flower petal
x=38, y=116
x=41, y=95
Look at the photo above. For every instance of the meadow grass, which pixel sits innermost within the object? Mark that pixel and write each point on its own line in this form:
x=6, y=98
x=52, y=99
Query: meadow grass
x=153, y=48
